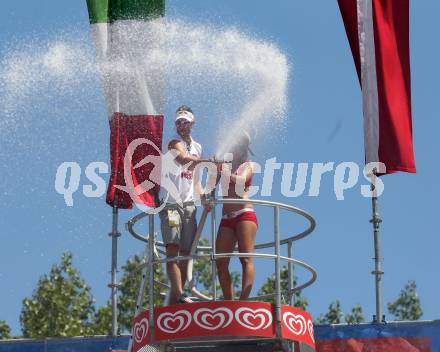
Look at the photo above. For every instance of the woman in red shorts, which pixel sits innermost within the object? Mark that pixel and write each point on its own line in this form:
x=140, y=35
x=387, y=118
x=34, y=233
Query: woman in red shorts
x=239, y=223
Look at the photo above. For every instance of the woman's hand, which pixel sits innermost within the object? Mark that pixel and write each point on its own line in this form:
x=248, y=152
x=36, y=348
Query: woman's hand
x=205, y=202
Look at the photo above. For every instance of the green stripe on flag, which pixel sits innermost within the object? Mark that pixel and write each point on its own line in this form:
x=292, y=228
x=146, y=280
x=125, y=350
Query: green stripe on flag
x=135, y=9
x=98, y=11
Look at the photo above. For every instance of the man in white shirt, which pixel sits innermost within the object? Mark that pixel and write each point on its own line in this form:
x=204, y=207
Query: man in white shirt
x=178, y=220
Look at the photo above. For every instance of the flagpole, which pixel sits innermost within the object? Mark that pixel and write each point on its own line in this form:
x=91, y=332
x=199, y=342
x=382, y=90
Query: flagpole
x=376, y=220
x=114, y=268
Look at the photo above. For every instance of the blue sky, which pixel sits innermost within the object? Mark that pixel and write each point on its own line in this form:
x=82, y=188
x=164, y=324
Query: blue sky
x=323, y=123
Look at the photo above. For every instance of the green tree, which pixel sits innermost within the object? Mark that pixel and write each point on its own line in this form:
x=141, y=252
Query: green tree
x=102, y=321
x=333, y=316
x=129, y=288
x=356, y=315
x=61, y=305
x=5, y=330
x=127, y=296
x=269, y=288
x=407, y=306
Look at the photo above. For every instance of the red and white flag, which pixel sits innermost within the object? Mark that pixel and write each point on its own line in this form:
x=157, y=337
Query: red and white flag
x=127, y=34
x=378, y=32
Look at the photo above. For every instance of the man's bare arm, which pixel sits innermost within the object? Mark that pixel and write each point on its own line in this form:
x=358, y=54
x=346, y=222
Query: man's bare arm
x=182, y=158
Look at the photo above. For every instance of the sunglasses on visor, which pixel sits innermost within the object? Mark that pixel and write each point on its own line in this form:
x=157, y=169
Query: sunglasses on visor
x=182, y=122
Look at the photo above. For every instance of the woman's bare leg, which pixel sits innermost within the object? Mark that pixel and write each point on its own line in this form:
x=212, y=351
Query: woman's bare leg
x=246, y=232
x=225, y=244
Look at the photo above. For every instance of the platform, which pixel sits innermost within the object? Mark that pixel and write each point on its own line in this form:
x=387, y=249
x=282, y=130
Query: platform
x=210, y=320
x=224, y=322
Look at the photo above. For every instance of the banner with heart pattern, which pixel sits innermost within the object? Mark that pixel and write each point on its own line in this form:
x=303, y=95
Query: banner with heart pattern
x=297, y=325
x=141, y=331
x=222, y=318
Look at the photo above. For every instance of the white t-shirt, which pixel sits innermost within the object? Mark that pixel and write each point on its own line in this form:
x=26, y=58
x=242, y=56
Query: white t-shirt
x=177, y=182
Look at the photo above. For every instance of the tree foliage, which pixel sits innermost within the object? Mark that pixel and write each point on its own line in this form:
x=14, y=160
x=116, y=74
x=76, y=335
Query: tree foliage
x=335, y=315
x=407, y=306
x=129, y=288
x=5, y=330
x=102, y=321
x=127, y=296
x=61, y=305
x=356, y=315
x=269, y=288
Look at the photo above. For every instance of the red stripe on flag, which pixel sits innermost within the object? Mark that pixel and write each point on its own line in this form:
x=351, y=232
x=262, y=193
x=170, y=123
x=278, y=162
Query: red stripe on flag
x=391, y=37
x=348, y=10
x=123, y=130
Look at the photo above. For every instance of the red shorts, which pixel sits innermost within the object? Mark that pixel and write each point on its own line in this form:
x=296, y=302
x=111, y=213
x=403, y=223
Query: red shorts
x=233, y=222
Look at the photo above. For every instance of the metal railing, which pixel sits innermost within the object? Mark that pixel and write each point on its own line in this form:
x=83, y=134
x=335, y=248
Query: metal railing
x=154, y=248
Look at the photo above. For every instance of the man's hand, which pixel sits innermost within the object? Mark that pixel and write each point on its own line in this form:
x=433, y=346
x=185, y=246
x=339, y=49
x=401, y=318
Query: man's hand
x=205, y=202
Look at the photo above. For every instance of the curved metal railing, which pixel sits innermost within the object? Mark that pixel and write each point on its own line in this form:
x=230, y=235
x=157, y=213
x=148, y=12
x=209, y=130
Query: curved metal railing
x=154, y=248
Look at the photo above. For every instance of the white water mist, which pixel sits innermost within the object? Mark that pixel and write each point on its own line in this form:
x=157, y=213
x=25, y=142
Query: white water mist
x=244, y=78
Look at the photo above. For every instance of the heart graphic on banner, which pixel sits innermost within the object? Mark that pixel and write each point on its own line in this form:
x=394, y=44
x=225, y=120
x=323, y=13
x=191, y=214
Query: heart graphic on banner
x=213, y=319
x=140, y=330
x=295, y=323
x=310, y=328
x=173, y=323
x=253, y=319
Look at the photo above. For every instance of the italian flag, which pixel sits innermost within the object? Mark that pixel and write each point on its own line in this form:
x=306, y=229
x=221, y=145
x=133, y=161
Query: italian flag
x=378, y=33
x=125, y=33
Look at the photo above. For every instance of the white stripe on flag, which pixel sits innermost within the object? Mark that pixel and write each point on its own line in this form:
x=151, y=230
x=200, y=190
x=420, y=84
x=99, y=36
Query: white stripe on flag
x=368, y=79
x=137, y=81
x=100, y=38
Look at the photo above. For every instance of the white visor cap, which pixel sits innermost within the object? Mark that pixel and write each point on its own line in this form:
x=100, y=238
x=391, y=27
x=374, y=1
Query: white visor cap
x=186, y=115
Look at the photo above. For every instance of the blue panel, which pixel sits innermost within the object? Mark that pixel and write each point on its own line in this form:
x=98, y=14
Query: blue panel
x=80, y=344
x=429, y=330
